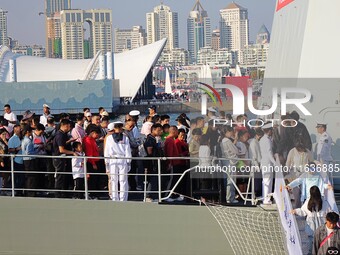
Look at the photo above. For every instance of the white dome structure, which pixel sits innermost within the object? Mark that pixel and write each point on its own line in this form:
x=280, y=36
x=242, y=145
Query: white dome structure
x=34, y=79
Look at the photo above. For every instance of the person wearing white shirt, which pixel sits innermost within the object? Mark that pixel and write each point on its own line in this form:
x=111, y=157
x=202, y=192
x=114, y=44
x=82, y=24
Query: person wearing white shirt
x=315, y=210
x=46, y=115
x=324, y=153
x=229, y=151
x=267, y=162
x=118, y=145
x=10, y=116
x=78, y=169
x=255, y=155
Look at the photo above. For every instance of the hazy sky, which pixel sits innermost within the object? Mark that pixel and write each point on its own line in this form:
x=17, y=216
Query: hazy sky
x=25, y=24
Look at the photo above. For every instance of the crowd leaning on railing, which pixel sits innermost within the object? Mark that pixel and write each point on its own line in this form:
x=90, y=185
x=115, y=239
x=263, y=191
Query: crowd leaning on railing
x=110, y=159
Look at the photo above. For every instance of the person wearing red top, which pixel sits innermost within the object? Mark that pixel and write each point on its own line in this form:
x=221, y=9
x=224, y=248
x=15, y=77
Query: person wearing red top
x=183, y=150
x=170, y=148
x=91, y=150
x=175, y=166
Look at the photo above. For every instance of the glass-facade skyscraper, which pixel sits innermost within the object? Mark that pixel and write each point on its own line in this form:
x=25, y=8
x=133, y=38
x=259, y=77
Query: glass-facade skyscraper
x=199, y=31
x=53, y=6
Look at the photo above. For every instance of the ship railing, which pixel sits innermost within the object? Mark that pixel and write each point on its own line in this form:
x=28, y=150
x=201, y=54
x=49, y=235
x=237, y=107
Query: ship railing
x=213, y=162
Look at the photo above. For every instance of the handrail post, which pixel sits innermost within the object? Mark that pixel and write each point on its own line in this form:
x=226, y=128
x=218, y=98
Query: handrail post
x=85, y=181
x=253, y=197
x=12, y=175
x=159, y=181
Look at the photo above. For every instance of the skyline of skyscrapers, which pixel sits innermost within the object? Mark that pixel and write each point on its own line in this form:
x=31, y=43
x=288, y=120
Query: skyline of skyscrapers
x=3, y=27
x=234, y=28
x=199, y=30
x=85, y=33
x=163, y=23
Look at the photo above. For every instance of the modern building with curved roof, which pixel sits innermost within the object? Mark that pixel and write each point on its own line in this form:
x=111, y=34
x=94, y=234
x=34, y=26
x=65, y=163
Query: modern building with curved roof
x=69, y=85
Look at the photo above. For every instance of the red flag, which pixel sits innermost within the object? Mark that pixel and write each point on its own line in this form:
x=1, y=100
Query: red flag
x=282, y=3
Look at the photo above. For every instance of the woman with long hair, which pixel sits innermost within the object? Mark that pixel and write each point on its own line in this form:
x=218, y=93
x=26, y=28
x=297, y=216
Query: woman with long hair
x=314, y=209
x=297, y=159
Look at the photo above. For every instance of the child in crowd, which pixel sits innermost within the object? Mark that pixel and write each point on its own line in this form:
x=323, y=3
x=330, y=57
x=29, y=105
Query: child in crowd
x=165, y=134
x=78, y=169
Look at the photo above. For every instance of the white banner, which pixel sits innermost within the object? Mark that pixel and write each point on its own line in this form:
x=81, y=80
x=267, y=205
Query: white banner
x=329, y=195
x=288, y=221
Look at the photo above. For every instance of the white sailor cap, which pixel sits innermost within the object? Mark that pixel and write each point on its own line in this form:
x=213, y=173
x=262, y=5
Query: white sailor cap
x=104, y=113
x=321, y=124
x=134, y=113
x=267, y=126
x=117, y=123
x=212, y=109
x=46, y=106
x=110, y=127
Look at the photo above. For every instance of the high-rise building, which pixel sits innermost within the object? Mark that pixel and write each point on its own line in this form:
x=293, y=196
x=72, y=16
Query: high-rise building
x=100, y=21
x=215, y=39
x=128, y=39
x=199, y=31
x=54, y=6
x=72, y=32
x=234, y=27
x=53, y=46
x=163, y=23
x=53, y=30
x=263, y=36
x=3, y=27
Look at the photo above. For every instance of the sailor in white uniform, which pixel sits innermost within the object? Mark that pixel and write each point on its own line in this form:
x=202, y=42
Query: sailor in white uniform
x=267, y=162
x=324, y=153
x=135, y=115
x=118, y=145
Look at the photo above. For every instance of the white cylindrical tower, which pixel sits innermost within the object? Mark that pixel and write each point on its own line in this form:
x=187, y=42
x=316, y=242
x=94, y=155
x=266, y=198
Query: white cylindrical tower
x=12, y=70
x=102, y=68
x=109, y=65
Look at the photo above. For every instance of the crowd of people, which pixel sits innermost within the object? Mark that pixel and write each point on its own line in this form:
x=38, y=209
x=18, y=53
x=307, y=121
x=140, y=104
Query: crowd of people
x=118, y=143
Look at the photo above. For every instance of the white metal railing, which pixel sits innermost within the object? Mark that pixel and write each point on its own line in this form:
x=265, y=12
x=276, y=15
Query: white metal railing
x=214, y=162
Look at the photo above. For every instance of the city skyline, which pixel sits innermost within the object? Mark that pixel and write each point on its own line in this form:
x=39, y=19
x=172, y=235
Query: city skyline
x=29, y=29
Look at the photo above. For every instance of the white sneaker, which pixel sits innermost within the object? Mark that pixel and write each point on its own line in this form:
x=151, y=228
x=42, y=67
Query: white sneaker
x=233, y=201
x=169, y=200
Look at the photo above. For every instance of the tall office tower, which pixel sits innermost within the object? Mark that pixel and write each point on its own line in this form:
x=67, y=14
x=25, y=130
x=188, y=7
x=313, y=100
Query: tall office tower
x=3, y=27
x=199, y=31
x=163, y=23
x=54, y=6
x=215, y=39
x=53, y=32
x=263, y=36
x=128, y=39
x=72, y=32
x=100, y=21
x=53, y=47
x=234, y=27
